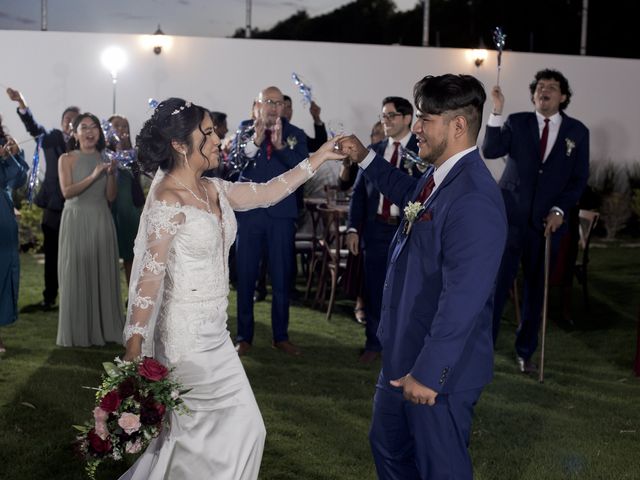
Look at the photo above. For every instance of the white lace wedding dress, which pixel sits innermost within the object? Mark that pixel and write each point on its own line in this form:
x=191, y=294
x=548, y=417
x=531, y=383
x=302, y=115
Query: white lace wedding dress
x=178, y=303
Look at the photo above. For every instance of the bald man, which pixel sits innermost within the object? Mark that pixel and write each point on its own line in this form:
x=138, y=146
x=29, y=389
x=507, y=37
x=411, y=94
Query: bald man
x=275, y=147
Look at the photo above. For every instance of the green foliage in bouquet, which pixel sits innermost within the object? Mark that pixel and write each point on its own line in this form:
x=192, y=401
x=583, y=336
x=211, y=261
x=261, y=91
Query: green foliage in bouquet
x=132, y=407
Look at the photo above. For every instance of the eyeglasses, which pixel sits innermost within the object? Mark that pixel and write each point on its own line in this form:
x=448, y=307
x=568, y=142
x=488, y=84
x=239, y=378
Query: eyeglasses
x=272, y=103
x=390, y=116
x=86, y=128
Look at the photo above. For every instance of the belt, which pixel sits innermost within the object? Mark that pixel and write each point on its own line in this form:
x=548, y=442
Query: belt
x=388, y=220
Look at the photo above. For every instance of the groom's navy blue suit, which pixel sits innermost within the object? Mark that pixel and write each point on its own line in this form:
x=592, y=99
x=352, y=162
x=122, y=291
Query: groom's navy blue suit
x=375, y=237
x=436, y=316
x=271, y=229
x=530, y=190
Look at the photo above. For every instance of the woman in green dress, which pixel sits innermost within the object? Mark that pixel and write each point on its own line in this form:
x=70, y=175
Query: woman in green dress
x=127, y=207
x=88, y=270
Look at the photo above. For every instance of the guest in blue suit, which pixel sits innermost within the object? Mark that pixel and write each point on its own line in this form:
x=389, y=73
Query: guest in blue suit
x=275, y=147
x=547, y=170
x=49, y=197
x=373, y=219
x=437, y=300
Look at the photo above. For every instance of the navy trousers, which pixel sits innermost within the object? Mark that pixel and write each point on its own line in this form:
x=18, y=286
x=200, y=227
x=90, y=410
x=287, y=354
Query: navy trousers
x=377, y=238
x=524, y=245
x=419, y=442
x=257, y=231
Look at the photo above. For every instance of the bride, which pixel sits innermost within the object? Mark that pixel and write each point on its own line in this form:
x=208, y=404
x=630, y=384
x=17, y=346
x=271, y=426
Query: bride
x=178, y=295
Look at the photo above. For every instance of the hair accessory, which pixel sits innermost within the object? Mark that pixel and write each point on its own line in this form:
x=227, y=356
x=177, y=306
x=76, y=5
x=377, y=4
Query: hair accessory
x=178, y=110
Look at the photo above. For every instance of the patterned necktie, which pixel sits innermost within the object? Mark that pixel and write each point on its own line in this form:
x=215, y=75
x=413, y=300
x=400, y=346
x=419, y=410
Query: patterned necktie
x=543, y=139
x=267, y=139
x=386, y=203
x=426, y=190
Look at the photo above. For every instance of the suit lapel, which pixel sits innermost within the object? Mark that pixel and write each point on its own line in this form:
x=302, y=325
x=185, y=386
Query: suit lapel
x=560, y=139
x=534, y=130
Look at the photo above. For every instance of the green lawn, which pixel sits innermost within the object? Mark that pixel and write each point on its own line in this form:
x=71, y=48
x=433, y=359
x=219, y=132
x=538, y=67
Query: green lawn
x=582, y=423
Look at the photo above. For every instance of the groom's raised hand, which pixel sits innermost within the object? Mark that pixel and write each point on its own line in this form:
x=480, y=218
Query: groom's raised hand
x=353, y=148
x=414, y=391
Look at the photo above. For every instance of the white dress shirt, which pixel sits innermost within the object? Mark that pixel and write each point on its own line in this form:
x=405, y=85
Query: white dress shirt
x=394, y=211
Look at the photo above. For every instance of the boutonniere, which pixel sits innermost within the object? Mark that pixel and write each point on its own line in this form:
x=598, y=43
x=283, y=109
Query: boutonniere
x=570, y=144
x=292, y=142
x=411, y=213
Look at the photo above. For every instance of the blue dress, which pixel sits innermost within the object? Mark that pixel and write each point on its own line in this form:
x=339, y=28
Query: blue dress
x=13, y=174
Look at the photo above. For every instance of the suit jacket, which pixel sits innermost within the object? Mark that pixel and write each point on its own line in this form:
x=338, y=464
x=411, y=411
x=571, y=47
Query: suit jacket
x=365, y=197
x=263, y=169
x=49, y=196
x=531, y=188
x=437, y=303
x=320, y=133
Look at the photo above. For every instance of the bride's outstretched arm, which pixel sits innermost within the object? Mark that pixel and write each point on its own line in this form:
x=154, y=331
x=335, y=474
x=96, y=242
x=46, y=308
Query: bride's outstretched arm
x=161, y=221
x=248, y=195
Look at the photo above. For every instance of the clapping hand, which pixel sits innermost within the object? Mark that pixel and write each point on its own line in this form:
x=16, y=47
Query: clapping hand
x=9, y=148
x=276, y=135
x=258, y=136
x=414, y=391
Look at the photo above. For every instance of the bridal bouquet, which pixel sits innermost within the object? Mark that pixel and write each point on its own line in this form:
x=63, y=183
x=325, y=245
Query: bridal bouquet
x=131, y=408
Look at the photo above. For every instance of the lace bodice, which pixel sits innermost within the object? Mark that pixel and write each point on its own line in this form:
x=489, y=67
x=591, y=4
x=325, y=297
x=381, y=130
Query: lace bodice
x=180, y=278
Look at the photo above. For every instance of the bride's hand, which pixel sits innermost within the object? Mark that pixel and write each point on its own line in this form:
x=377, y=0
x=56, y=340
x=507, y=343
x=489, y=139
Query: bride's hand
x=327, y=151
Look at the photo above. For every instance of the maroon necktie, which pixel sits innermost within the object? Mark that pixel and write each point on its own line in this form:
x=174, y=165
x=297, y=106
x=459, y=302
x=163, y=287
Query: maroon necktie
x=426, y=190
x=543, y=139
x=386, y=203
x=267, y=138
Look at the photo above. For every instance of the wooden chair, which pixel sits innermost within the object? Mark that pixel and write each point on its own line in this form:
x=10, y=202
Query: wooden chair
x=308, y=245
x=334, y=256
x=588, y=222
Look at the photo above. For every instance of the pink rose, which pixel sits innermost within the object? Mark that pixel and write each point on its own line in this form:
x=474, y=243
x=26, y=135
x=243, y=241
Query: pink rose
x=110, y=402
x=100, y=415
x=133, y=447
x=101, y=430
x=129, y=422
x=152, y=369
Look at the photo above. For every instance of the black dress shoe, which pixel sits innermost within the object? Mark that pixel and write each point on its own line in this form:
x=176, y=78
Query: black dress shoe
x=526, y=366
x=38, y=307
x=259, y=296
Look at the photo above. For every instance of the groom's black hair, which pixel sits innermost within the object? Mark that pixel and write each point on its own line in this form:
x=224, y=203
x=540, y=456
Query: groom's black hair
x=462, y=94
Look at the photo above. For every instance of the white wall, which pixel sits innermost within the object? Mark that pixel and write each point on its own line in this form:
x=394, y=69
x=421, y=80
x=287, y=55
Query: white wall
x=57, y=69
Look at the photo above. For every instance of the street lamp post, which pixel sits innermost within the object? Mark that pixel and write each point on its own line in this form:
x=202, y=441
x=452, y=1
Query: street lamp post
x=113, y=59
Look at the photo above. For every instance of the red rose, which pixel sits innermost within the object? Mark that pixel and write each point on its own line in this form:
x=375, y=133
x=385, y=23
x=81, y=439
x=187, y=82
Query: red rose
x=96, y=444
x=127, y=387
x=152, y=369
x=111, y=401
x=151, y=412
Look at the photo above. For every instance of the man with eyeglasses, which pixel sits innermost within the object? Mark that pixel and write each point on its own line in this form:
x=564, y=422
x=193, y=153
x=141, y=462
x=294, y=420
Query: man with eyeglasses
x=49, y=196
x=373, y=219
x=547, y=171
x=275, y=147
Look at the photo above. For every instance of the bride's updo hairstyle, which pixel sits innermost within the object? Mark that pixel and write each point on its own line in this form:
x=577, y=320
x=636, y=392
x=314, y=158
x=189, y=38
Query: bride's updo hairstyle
x=173, y=120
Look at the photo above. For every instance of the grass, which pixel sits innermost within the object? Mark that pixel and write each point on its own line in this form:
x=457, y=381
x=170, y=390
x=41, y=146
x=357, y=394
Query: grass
x=582, y=423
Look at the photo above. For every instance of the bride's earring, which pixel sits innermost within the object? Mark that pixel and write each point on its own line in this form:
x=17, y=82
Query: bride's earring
x=186, y=162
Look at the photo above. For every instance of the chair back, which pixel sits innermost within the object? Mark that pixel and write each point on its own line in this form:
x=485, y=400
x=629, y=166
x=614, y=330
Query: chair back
x=588, y=222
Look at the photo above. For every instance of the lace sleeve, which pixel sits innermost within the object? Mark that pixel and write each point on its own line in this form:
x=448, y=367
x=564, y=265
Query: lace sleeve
x=247, y=195
x=159, y=224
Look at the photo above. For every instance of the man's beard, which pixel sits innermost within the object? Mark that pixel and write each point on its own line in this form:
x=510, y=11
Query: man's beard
x=436, y=152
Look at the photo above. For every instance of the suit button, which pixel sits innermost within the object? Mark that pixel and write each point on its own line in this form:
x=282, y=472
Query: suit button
x=386, y=284
x=540, y=171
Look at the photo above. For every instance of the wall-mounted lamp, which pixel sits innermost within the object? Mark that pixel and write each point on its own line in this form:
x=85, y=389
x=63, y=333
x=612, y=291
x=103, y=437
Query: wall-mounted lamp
x=478, y=56
x=160, y=41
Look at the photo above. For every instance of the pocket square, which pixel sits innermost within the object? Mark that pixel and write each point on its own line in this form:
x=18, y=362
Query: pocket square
x=426, y=216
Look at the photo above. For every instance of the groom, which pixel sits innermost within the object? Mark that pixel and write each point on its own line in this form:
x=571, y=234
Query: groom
x=437, y=301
